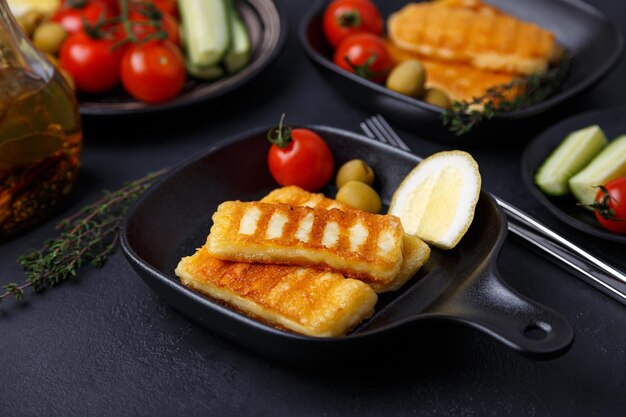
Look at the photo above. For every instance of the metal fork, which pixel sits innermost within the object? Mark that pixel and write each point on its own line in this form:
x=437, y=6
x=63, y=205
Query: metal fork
x=594, y=271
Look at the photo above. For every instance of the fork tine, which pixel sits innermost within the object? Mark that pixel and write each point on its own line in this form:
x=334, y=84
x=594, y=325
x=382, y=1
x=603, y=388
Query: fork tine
x=368, y=132
x=381, y=131
x=373, y=127
x=394, y=138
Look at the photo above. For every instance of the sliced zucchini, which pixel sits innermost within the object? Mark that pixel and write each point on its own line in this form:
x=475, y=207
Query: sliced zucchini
x=608, y=165
x=572, y=155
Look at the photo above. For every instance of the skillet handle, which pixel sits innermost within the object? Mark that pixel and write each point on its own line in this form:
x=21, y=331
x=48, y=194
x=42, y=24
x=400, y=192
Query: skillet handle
x=529, y=328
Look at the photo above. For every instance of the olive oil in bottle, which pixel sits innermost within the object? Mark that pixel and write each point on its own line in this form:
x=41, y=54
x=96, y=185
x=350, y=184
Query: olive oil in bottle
x=40, y=133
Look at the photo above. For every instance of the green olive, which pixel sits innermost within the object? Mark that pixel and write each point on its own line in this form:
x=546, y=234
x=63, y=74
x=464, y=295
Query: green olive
x=29, y=21
x=354, y=170
x=408, y=78
x=49, y=36
x=436, y=97
x=360, y=196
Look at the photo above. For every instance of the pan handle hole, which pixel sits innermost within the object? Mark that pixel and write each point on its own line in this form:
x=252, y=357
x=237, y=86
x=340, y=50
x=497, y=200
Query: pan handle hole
x=537, y=331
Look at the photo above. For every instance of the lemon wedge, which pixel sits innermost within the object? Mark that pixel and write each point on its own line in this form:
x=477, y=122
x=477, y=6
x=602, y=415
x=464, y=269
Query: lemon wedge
x=436, y=201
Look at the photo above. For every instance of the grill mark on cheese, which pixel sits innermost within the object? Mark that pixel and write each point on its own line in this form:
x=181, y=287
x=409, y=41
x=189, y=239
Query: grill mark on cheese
x=249, y=220
x=358, y=235
x=330, y=236
x=305, y=225
x=276, y=225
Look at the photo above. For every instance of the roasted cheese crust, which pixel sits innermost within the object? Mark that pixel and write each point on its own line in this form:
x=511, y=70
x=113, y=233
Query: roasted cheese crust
x=303, y=300
x=415, y=252
x=355, y=243
x=470, y=32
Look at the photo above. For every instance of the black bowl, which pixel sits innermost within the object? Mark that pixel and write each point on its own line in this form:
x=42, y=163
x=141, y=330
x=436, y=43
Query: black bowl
x=593, y=40
x=458, y=286
x=266, y=26
x=613, y=122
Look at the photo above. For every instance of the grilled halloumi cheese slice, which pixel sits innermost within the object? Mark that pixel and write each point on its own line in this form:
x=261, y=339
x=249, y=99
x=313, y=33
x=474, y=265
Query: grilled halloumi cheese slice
x=355, y=243
x=303, y=300
x=415, y=252
x=471, y=32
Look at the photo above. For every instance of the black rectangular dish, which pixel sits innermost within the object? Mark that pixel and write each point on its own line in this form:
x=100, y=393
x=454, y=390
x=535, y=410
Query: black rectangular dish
x=592, y=40
x=461, y=285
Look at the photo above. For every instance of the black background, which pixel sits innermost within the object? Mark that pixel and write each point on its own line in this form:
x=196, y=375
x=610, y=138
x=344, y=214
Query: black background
x=104, y=344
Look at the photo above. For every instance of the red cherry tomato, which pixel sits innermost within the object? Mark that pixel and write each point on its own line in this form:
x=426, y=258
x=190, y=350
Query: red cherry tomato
x=365, y=55
x=299, y=157
x=610, y=206
x=93, y=63
x=71, y=13
x=168, y=23
x=346, y=17
x=154, y=71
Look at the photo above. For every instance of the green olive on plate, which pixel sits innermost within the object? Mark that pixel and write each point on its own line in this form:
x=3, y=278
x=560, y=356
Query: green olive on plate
x=30, y=20
x=354, y=170
x=436, y=97
x=49, y=37
x=408, y=78
x=360, y=196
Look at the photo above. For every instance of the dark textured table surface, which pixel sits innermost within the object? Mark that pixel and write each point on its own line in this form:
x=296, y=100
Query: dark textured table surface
x=104, y=344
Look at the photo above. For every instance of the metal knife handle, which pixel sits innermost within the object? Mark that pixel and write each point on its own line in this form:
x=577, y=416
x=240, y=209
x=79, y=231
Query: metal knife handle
x=607, y=283
x=542, y=230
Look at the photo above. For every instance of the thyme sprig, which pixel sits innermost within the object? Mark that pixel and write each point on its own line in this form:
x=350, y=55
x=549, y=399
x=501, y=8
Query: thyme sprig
x=518, y=94
x=87, y=237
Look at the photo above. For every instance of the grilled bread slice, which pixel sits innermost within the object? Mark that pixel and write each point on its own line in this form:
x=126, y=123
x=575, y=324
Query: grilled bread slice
x=355, y=243
x=415, y=252
x=470, y=32
x=303, y=300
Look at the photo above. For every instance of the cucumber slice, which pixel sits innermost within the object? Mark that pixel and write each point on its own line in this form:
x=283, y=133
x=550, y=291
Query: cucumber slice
x=572, y=155
x=238, y=55
x=206, y=31
x=608, y=165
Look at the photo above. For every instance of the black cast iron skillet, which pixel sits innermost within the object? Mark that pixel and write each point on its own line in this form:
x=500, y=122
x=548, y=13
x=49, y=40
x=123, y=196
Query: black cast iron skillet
x=594, y=42
x=460, y=286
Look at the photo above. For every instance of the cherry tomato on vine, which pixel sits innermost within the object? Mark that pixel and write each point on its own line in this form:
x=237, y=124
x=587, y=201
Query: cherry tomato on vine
x=346, y=17
x=168, y=23
x=93, y=63
x=610, y=206
x=72, y=13
x=299, y=157
x=153, y=71
x=365, y=55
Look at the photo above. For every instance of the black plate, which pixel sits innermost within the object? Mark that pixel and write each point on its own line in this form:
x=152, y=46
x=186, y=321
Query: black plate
x=267, y=30
x=594, y=41
x=462, y=285
x=613, y=122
